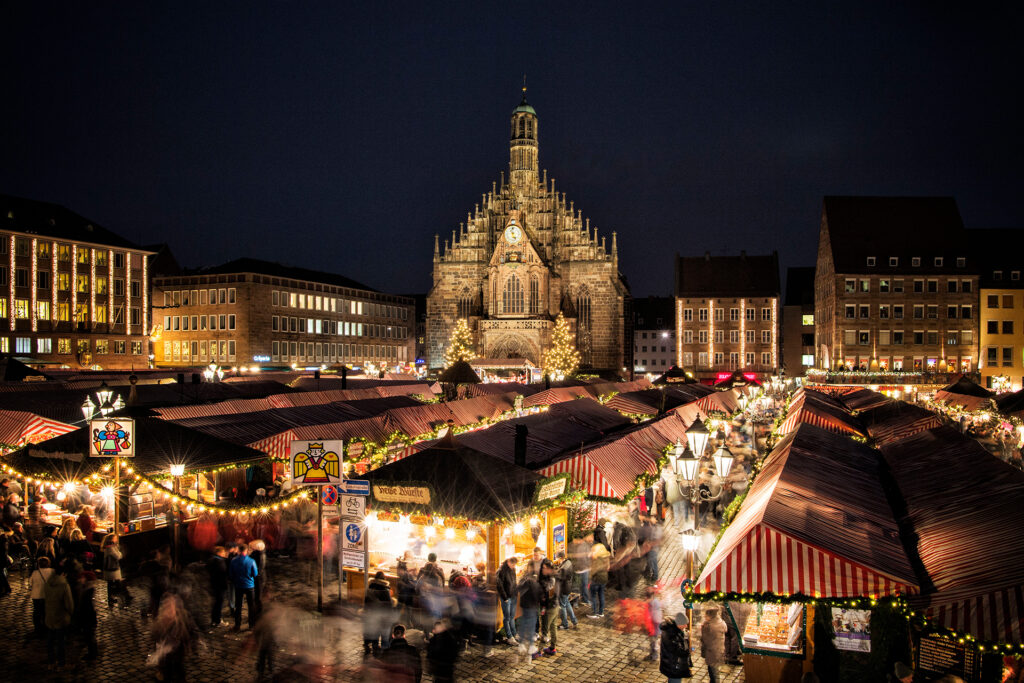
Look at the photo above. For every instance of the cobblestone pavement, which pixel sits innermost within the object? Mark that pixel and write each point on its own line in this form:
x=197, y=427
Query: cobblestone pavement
x=322, y=648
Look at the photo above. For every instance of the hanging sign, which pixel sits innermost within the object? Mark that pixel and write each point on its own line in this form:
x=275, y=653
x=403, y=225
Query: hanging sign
x=112, y=437
x=402, y=494
x=316, y=463
x=552, y=489
x=852, y=628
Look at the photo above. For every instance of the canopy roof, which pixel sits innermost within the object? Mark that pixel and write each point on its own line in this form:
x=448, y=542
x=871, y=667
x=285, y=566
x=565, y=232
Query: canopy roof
x=675, y=375
x=816, y=521
x=158, y=444
x=967, y=535
x=460, y=372
x=965, y=393
x=1011, y=404
x=463, y=482
x=19, y=426
x=815, y=408
x=895, y=420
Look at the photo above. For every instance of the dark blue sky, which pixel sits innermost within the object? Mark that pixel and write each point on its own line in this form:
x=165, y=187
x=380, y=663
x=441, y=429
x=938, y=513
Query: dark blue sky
x=342, y=136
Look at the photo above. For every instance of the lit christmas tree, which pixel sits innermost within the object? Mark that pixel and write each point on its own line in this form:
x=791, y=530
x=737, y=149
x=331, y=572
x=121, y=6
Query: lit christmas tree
x=562, y=358
x=460, y=347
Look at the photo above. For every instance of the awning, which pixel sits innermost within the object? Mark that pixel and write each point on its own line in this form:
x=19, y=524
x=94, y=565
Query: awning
x=18, y=427
x=817, y=522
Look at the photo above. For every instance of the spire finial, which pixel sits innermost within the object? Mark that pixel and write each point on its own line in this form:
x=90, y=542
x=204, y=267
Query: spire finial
x=524, y=89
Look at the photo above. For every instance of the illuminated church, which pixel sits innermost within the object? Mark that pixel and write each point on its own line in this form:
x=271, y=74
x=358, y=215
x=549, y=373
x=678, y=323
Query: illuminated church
x=523, y=255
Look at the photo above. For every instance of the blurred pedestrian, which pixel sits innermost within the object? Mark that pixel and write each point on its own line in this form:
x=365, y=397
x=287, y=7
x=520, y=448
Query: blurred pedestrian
x=530, y=602
x=675, y=649
x=85, y=614
x=599, y=563
x=265, y=635
x=579, y=554
x=442, y=651
x=565, y=576
x=378, y=615
x=550, y=604
x=111, y=549
x=401, y=660
x=258, y=553
x=173, y=637
x=242, y=574
x=60, y=607
x=712, y=642
x=653, y=620
x=85, y=522
x=5, y=562
x=37, y=584
x=508, y=595
x=217, y=572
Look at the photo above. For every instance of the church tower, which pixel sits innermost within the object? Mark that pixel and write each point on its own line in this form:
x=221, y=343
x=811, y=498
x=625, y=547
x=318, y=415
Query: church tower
x=522, y=145
x=523, y=255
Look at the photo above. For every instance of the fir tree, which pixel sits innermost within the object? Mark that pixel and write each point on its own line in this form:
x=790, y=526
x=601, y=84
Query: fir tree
x=562, y=358
x=460, y=346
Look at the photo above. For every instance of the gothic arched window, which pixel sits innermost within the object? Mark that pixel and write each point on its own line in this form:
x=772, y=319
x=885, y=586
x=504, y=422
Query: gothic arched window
x=522, y=127
x=529, y=129
x=512, y=299
x=465, y=304
x=583, y=335
x=534, y=295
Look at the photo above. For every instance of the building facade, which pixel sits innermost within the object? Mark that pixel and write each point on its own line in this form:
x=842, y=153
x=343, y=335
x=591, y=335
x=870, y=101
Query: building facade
x=75, y=294
x=727, y=314
x=896, y=286
x=654, y=335
x=798, y=322
x=525, y=254
x=249, y=312
x=1001, y=302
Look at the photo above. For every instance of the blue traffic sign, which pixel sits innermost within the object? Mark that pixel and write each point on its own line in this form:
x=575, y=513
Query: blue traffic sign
x=353, y=533
x=354, y=487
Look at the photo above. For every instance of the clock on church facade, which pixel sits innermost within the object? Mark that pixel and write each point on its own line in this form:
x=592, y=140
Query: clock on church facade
x=524, y=255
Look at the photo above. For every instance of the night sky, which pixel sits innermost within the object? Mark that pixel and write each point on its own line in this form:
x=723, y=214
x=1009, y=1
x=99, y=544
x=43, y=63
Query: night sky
x=342, y=136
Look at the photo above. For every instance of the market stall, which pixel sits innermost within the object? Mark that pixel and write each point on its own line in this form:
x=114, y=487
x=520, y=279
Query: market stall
x=471, y=510
x=815, y=530
x=965, y=394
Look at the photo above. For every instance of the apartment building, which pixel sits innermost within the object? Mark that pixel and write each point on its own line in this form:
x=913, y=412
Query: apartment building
x=654, y=335
x=251, y=312
x=75, y=294
x=727, y=314
x=1001, y=299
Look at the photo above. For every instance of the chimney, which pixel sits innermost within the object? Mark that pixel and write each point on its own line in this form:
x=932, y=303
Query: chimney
x=520, y=448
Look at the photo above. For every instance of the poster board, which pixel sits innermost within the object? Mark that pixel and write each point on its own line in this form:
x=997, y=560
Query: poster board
x=851, y=629
x=937, y=656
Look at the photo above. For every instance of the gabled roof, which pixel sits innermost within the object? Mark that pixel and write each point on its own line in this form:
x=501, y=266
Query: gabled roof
x=53, y=220
x=883, y=227
x=727, y=276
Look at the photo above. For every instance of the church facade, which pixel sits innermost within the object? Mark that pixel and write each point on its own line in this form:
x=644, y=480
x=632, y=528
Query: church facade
x=524, y=255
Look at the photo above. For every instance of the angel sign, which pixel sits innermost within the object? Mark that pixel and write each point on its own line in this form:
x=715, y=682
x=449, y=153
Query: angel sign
x=315, y=463
x=112, y=438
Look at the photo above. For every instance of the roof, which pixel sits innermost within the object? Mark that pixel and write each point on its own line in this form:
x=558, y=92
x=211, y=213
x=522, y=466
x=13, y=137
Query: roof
x=727, y=276
x=998, y=249
x=884, y=227
x=1011, y=403
x=157, y=444
x=251, y=265
x=13, y=370
x=460, y=372
x=800, y=286
x=463, y=482
x=818, y=496
x=53, y=220
x=524, y=106
x=648, y=309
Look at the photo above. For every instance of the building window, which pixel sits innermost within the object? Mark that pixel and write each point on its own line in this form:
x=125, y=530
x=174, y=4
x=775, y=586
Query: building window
x=883, y=286
x=951, y=312
x=702, y=315
x=894, y=261
x=965, y=286
x=897, y=337
x=919, y=312
x=1015, y=275
x=766, y=314
x=734, y=336
x=43, y=279
x=719, y=337
x=951, y=286
x=933, y=338
x=933, y=312
x=883, y=312
x=766, y=358
x=961, y=262
x=871, y=261
x=119, y=346
x=851, y=286
x=23, y=345
x=933, y=286
x=938, y=261
x=865, y=312
x=919, y=286
x=897, y=312
x=992, y=356
x=734, y=314
x=687, y=336
x=21, y=277
x=997, y=275
x=21, y=309
x=915, y=261
x=231, y=295
x=512, y=297
x=1007, y=327
x=851, y=311
x=807, y=319
x=43, y=310
x=44, y=345
x=966, y=337
x=702, y=337
x=719, y=315
x=965, y=312
x=687, y=315
x=1007, y=301
x=766, y=336
x=231, y=321
x=749, y=336
x=223, y=297
x=897, y=286
x=993, y=301
x=1007, y=357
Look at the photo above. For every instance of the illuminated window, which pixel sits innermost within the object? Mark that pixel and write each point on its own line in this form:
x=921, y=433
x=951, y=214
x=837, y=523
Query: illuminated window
x=808, y=319
x=23, y=345
x=43, y=310
x=62, y=312
x=63, y=345
x=43, y=249
x=81, y=313
x=64, y=256
x=512, y=297
x=21, y=309
x=82, y=283
x=101, y=285
x=101, y=314
x=83, y=255
x=101, y=257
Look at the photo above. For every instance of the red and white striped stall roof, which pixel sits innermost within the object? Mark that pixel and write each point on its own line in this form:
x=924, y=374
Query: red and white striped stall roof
x=987, y=613
x=816, y=521
x=18, y=427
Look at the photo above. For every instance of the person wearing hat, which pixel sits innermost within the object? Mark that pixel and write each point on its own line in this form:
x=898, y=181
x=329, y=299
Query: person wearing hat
x=550, y=590
x=712, y=642
x=675, y=649
x=901, y=673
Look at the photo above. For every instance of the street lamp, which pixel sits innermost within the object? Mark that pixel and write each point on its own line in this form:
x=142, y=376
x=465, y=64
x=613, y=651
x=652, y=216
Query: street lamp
x=723, y=461
x=697, y=436
x=690, y=542
x=88, y=408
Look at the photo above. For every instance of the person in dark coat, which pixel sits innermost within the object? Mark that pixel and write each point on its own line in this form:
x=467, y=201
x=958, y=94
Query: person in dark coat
x=442, y=651
x=601, y=536
x=85, y=614
x=675, y=649
x=401, y=660
x=506, y=587
x=378, y=616
x=258, y=553
x=217, y=570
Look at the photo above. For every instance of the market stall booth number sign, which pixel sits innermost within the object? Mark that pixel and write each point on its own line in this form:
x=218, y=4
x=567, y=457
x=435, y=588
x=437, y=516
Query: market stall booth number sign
x=552, y=489
x=402, y=494
x=112, y=438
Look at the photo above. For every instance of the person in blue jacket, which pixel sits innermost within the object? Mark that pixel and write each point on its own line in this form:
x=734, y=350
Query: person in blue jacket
x=242, y=572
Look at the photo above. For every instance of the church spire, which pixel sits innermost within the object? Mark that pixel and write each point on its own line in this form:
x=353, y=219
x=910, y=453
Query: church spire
x=523, y=146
